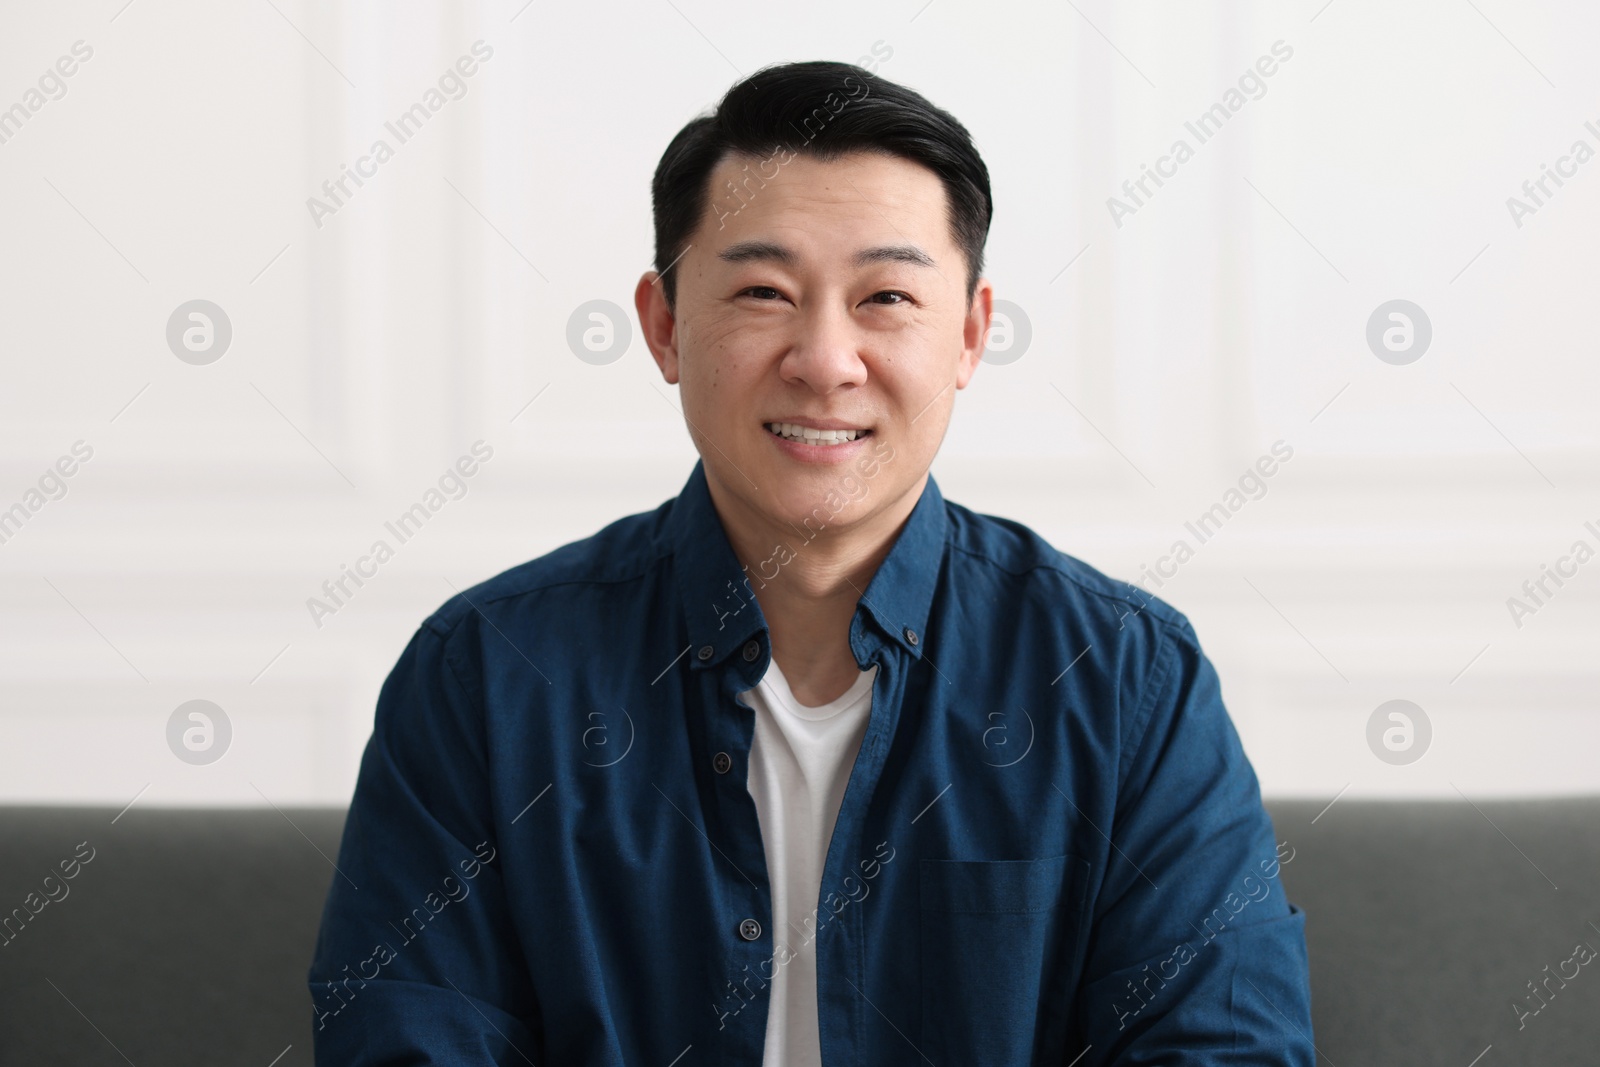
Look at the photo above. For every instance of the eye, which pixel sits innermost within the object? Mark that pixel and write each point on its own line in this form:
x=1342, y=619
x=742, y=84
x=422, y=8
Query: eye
x=901, y=298
x=755, y=289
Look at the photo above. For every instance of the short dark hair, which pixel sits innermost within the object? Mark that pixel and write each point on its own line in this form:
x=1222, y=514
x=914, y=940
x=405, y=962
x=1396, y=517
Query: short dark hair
x=823, y=110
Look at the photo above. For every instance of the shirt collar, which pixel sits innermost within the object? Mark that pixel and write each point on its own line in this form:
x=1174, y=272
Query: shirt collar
x=718, y=595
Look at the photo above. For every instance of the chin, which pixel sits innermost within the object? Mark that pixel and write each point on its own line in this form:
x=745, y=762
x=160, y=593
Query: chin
x=828, y=499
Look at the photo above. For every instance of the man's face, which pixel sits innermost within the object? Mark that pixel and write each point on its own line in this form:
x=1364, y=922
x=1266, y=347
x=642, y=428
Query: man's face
x=834, y=298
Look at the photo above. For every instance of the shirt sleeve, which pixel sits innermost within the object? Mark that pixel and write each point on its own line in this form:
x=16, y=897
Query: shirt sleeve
x=416, y=961
x=1195, y=956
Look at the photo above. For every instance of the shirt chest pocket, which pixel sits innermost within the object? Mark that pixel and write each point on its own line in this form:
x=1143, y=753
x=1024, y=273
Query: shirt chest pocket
x=997, y=940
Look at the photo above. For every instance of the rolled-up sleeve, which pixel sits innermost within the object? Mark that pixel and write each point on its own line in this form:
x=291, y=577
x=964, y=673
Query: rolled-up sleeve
x=1196, y=954
x=416, y=961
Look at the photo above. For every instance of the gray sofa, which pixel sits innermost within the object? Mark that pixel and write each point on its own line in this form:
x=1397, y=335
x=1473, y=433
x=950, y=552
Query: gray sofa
x=184, y=937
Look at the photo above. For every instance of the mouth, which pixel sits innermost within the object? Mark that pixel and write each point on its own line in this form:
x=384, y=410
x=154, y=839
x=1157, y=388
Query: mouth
x=807, y=435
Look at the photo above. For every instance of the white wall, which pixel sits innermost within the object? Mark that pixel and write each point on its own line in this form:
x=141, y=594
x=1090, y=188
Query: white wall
x=1229, y=311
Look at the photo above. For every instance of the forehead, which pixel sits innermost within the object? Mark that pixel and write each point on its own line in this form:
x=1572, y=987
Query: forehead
x=862, y=198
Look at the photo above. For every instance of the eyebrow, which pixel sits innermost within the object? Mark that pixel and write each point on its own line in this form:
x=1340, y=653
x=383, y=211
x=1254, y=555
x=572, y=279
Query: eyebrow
x=772, y=251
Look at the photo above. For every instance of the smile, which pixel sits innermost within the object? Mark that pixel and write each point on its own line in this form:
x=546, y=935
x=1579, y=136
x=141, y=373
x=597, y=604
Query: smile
x=791, y=431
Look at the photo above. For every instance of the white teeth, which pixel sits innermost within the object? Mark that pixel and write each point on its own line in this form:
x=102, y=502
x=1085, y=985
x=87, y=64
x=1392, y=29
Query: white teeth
x=795, y=432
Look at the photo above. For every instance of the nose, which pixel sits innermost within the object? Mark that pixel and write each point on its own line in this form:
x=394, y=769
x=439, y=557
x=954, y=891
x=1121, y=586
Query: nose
x=826, y=354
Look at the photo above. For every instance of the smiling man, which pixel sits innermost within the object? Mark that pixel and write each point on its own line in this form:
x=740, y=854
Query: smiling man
x=809, y=765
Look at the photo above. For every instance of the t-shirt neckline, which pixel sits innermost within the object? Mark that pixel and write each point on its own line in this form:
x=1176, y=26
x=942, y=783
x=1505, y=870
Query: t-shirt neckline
x=859, y=690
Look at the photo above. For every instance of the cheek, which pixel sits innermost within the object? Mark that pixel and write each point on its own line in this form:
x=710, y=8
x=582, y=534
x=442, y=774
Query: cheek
x=717, y=385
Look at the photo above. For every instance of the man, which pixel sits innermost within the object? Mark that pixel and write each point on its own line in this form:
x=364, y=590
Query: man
x=809, y=765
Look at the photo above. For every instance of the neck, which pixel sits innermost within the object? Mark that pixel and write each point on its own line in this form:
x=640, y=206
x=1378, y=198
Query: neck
x=808, y=589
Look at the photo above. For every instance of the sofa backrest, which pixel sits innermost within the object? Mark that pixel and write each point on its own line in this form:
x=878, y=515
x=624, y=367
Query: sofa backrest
x=183, y=936
x=1427, y=920
x=184, y=939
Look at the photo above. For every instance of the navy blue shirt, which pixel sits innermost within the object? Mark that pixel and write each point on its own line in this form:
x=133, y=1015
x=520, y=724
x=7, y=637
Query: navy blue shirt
x=1051, y=850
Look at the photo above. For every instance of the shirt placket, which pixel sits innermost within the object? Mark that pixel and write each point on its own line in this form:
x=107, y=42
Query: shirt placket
x=743, y=903
x=842, y=981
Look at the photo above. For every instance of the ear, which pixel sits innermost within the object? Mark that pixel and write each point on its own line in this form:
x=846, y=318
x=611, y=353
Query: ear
x=975, y=333
x=658, y=325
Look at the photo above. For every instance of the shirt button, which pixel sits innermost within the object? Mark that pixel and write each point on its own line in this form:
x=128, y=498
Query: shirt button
x=911, y=635
x=705, y=652
x=749, y=929
x=751, y=651
x=722, y=761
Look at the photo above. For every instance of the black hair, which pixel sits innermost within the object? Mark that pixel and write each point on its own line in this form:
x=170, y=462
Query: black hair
x=823, y=110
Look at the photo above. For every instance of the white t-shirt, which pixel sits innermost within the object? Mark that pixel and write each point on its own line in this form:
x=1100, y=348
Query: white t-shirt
x=800, y=762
